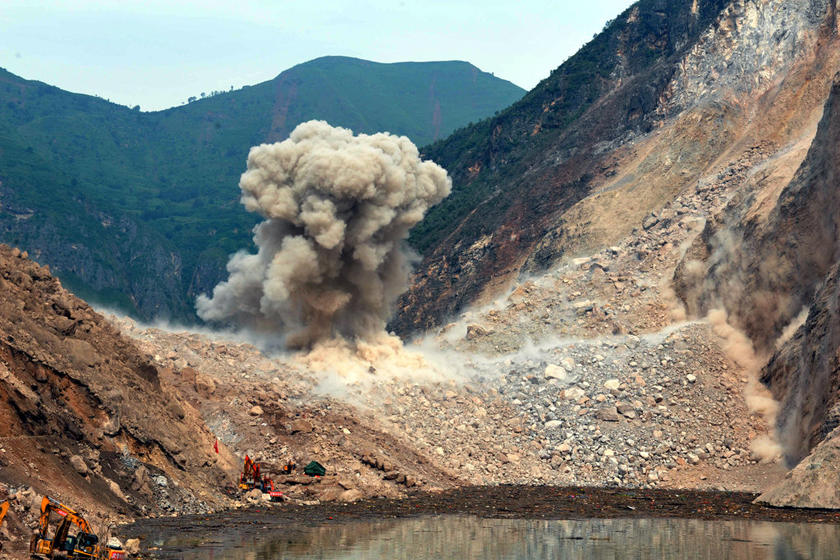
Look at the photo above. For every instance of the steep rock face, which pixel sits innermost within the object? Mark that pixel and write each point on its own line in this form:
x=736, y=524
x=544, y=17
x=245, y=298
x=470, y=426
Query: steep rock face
x=84, y=416
x=814, y=481
x=748, y=46
x=641, y=113
x=804, y=374
x=100, y=254
x=766, y=267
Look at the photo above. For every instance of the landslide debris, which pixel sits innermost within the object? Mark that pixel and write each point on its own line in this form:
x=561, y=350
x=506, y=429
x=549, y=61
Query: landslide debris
x=270, y=408
x=577, y=376
x=771, y=260
x=87, y=418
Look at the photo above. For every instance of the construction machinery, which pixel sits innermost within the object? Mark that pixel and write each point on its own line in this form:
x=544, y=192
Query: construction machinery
x=4, y=507
x=251, y=478
x=84, y=544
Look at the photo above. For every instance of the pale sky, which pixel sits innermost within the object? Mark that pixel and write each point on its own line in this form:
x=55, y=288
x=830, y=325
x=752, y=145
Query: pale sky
x=157, y=53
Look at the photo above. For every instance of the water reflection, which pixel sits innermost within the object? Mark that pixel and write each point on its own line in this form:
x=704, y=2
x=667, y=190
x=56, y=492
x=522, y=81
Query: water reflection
x=510, y=539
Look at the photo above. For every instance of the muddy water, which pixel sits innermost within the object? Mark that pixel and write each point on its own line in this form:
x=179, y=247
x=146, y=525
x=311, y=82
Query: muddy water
x=467, y=537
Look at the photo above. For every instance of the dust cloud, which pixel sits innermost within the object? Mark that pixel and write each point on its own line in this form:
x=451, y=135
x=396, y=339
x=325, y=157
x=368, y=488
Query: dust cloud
x=331, y=256
x=740, y=350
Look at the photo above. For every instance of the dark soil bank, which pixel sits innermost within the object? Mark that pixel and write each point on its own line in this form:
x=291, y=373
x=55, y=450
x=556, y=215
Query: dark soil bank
x=523, y=502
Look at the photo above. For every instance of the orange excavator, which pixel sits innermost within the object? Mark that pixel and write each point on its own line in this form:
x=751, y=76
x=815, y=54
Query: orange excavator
x=84, y=544
x=4, y=507
x=251, y=478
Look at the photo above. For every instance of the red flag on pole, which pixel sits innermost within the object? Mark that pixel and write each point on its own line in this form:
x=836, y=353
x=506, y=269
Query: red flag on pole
x=216, y=446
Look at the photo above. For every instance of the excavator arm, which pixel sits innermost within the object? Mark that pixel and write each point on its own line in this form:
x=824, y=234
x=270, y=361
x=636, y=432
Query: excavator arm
x=4, y=507
x=43, y=545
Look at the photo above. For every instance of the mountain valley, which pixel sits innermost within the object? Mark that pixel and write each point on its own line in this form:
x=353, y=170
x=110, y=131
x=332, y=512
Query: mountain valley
x=633, y=285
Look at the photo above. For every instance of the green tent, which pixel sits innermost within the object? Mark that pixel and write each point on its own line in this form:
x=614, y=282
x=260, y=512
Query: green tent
x=315, y=469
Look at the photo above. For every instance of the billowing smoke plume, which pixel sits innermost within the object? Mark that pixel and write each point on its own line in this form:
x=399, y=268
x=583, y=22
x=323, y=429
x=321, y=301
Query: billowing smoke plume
x=331, y=259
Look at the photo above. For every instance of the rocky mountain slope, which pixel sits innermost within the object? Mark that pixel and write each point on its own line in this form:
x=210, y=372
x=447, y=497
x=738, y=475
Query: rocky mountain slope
x=596, y=227
x=666, y=94
x=86, y=418
x=107, y=195
x=733, y=111
x=89, y=417
x=771, y=260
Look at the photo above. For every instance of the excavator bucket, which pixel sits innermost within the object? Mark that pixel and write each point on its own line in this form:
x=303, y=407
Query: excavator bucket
x=4, y=507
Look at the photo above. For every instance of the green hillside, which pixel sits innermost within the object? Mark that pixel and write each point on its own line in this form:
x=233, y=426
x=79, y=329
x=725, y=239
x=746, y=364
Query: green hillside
x=80, y=175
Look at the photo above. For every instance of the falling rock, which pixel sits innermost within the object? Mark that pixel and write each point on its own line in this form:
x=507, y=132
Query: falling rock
x=474, y=331
x=625, y=409
x=256, y=410
x=141, y=476
x=300, y=426
x=116, y=490
x=574, y=393
x=112, y=426
x=28, y=498
x=188, y=374
x=204, y=385
x=552, y=424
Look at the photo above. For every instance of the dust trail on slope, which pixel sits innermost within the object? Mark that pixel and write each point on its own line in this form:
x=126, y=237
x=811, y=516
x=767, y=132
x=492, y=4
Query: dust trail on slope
x=331, y=257
x=727, y=247
x=740, y=350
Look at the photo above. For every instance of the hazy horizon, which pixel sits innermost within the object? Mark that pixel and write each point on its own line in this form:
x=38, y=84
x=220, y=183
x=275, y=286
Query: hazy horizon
x=157, y=55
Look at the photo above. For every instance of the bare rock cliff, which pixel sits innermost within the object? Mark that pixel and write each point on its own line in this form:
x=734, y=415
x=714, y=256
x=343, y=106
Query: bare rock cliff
x=765, y=269
x=85, y=417
x=668, y=94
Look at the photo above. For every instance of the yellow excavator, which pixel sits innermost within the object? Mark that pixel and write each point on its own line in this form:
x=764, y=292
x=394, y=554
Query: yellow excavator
x=84, y=544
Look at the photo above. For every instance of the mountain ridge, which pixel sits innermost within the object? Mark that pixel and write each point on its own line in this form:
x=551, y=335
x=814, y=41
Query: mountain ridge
x=168, y=179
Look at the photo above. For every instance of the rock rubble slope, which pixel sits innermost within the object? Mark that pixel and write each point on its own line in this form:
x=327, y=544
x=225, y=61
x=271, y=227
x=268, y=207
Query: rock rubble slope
x=576, y=364
x=86, y=418
x=580, y=375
